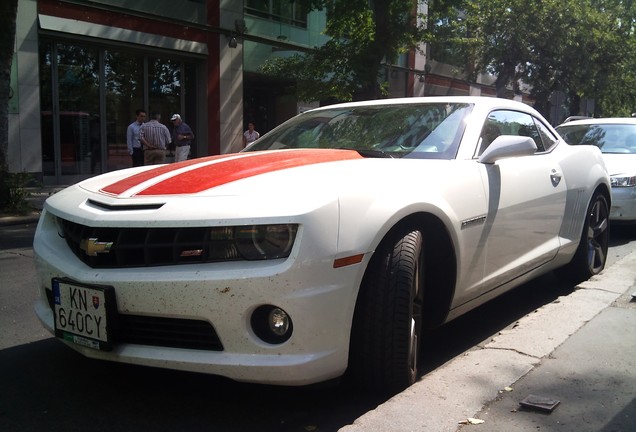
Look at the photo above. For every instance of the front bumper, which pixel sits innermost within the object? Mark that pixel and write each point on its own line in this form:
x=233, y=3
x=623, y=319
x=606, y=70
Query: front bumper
x=319, y=299
x=623, y=204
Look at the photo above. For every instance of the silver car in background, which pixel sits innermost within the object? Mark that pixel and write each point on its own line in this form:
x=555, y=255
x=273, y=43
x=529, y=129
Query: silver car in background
x=616, y=137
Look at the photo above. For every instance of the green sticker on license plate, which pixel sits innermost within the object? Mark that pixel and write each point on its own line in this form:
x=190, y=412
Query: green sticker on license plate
x=82, y=313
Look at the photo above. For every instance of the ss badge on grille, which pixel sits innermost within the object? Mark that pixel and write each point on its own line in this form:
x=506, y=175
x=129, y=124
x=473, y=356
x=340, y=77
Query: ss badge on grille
x=93, y=246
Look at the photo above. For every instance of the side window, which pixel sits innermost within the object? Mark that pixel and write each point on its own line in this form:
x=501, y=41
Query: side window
x=505, y=122
x=549, y=140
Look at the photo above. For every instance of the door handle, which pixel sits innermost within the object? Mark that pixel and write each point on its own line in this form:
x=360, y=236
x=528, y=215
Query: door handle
x=555, y=177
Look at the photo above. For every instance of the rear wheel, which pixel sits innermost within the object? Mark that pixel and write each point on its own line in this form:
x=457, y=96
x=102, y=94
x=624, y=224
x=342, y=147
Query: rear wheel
x=388, y=319
x=591, y=255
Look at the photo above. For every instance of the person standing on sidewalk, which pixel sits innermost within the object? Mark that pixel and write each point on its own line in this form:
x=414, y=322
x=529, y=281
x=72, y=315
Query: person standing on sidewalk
x=155, y=138
x=135, y=148
x=250, y=135
x=182, y=137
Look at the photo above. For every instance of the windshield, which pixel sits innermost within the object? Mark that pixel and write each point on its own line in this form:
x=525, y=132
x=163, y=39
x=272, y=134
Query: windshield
x=430, y=130
x=610, y=138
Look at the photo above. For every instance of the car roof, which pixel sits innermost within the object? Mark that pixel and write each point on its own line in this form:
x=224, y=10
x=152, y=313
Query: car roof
x=483, y=101
x=600, y=121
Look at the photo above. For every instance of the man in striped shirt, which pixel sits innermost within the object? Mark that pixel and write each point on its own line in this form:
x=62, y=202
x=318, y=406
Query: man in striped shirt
x=155, y=138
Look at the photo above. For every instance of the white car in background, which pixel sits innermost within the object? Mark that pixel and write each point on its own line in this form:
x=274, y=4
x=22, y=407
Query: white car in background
x=326, y=246
x=616, y=137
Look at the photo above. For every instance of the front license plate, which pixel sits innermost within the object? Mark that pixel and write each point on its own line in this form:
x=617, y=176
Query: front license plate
x=82, y=313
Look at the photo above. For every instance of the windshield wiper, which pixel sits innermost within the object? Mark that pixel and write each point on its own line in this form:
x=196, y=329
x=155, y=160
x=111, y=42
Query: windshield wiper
x=373, y=153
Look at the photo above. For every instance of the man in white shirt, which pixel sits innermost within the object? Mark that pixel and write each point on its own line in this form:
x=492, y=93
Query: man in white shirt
x=135, y=148
x=250, y=134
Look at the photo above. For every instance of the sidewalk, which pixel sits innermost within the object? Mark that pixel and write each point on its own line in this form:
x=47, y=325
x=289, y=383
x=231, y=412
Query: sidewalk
x=579, y=350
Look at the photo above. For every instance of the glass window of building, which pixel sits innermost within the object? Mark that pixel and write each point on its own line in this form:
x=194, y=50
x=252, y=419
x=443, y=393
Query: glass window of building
x=89, y=95
x=278, y=10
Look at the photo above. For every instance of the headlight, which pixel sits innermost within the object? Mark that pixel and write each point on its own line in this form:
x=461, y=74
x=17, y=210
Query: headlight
x=259, y=242
x=623, y=181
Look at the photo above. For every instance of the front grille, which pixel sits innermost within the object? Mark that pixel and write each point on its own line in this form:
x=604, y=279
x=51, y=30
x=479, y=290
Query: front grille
x=167, y=332
x=145, y=247
x=162, y=332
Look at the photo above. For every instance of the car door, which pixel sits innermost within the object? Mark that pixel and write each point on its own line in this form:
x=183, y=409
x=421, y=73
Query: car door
x=525, y=204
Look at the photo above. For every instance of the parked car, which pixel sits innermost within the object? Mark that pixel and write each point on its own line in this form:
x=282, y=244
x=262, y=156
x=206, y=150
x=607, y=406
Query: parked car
x=616, y=137
x=325, y=247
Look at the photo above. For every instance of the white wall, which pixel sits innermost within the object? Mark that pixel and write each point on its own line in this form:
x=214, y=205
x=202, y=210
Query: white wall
x=25, y=153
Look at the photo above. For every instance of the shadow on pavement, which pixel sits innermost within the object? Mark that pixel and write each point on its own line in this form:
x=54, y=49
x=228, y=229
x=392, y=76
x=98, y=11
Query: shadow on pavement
x=47, y=386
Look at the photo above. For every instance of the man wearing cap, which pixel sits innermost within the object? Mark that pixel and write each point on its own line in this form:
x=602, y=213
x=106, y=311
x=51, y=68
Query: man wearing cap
x=182, y=136
x=155, y=138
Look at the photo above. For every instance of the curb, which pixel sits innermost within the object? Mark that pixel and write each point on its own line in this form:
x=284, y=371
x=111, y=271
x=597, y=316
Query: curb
x=9, y=220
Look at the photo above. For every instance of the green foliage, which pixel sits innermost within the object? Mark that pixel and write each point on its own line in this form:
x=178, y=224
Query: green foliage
x=364, y=35
x=584, y=48
x=14, y=193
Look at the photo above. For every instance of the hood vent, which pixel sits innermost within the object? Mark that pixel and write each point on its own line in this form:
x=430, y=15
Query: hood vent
x=124, y=207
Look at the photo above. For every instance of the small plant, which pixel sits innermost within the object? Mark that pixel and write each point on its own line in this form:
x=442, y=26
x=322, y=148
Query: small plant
x=14, y=193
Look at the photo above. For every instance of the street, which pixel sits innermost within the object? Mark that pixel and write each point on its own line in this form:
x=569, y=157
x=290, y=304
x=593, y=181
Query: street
x=47, y=386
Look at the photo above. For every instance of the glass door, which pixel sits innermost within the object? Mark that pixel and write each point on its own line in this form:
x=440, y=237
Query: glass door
x=124, y=73
x=89, y=96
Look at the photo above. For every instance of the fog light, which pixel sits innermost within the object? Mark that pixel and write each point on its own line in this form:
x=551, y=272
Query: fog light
x=278, y=321
x=271, y=324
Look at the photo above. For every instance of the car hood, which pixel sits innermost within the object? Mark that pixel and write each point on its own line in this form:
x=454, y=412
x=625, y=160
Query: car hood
x=620, y=163
x=237, y=187
x=208, y=176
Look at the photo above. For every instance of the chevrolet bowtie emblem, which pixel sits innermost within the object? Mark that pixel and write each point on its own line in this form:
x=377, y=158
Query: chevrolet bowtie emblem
x=92, y=246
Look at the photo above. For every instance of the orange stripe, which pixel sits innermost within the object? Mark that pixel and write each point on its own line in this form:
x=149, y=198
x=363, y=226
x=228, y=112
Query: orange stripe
x=132, y=181
x=226, y=171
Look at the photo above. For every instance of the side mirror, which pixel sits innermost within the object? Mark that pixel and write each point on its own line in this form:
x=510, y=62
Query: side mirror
x=505, y=146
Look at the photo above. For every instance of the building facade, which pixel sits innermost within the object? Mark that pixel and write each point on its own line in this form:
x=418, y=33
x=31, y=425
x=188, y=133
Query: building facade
x=82, y=68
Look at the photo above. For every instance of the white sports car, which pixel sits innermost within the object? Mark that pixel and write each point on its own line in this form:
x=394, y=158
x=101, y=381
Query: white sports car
x=326, y=246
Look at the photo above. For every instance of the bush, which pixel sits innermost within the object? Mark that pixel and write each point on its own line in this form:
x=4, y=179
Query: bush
x=13, y=192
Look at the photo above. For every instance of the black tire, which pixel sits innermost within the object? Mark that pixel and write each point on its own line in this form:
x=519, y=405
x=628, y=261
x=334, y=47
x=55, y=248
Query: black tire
x=388, y=318
x=591, y=255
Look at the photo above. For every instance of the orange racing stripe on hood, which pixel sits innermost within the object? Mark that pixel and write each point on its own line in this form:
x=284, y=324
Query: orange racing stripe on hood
x=227, y=169
x=134, y=180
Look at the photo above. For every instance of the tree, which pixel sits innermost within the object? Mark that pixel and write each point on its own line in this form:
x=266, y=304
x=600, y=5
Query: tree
x=364, y=35
x=8, y=11
x=584, y=48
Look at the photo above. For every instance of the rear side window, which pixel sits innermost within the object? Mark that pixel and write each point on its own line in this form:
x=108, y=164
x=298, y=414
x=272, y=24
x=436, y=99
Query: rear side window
x=547, y=137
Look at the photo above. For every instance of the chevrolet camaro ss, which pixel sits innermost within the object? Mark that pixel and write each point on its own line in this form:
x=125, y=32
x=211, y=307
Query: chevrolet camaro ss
x=324, y=248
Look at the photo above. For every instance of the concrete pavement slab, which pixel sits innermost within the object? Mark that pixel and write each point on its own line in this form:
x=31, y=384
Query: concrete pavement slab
x=591, y=374
x=540, y=332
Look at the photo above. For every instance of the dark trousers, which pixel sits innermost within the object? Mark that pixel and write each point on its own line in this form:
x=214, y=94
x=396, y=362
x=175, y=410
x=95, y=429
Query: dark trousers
x=138, y=156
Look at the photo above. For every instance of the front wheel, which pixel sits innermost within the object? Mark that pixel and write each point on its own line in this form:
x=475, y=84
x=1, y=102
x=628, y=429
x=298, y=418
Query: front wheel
x=591, y=255
x=388, y=318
